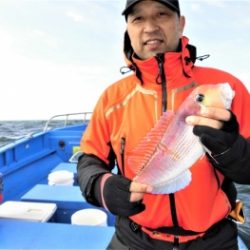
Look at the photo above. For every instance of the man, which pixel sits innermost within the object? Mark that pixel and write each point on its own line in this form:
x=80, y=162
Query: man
x=165, y=73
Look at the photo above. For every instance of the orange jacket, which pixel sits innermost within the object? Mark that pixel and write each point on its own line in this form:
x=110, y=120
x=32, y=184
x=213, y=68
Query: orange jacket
x=127, y=110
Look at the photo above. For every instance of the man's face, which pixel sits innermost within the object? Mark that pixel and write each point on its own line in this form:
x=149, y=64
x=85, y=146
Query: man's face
x=154, y=28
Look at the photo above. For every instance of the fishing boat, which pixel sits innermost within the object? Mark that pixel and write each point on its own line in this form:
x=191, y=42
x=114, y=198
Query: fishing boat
x=36, y=210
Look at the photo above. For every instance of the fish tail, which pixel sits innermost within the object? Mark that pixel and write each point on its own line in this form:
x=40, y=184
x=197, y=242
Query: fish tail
x=174, y=185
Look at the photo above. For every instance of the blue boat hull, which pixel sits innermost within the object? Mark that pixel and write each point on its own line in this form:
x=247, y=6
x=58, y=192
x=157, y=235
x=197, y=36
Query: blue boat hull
x=25, y=166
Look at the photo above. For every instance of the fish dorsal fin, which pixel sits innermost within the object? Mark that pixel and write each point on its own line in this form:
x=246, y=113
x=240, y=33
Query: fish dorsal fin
x=141, y=154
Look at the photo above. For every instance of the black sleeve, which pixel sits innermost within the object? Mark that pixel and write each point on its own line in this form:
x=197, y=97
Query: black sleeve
x=89, y=168
x=235, y=162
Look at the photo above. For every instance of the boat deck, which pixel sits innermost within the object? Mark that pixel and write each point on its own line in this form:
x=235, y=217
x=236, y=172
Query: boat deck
x=49, y=235
x=17, y=234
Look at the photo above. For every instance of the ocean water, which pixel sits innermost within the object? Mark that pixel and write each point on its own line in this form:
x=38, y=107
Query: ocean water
x=13, y=130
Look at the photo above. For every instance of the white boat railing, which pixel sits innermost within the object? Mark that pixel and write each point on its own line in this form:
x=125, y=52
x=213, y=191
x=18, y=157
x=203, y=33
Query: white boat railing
x=84, y=117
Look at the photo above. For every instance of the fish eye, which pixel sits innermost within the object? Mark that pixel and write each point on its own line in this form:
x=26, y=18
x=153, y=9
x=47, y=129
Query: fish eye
x=199, y=97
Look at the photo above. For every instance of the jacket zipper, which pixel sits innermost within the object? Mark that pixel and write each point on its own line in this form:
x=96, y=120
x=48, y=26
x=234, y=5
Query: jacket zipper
x=122, y=153
x=161, y=79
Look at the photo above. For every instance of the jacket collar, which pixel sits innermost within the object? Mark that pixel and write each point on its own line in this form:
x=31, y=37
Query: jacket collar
x=176, y=64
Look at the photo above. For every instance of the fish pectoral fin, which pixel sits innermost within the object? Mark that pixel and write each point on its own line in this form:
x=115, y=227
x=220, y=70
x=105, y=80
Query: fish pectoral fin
x=171, y=186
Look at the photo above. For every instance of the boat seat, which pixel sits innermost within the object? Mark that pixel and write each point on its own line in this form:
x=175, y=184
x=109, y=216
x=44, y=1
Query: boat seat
x=71, y=167
x=67, y=198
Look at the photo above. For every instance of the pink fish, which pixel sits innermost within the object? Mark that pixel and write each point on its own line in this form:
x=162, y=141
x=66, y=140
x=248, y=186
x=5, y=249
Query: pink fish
x=163, y=157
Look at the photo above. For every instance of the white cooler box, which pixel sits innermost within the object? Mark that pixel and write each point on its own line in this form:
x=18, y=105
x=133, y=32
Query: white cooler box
x=31, y=211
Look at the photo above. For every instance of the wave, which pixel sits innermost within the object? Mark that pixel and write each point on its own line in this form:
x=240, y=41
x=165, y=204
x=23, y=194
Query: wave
x=5, y=140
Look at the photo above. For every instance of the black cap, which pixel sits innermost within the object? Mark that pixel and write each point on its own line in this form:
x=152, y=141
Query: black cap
x=172, y=4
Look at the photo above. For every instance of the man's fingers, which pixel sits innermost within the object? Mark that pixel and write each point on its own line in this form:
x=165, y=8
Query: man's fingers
x=215, y=113
x=203, y=121
x=138, y=190
x=136, y=196
x=210, y=116
x=139, y=187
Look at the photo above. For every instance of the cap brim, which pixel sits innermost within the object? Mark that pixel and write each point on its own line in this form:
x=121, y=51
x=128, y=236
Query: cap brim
x=168, y=4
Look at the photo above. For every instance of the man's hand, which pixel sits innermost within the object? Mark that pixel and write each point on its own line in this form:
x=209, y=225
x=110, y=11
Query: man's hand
x=211, y=117
x=120, y=195
x=217, y=128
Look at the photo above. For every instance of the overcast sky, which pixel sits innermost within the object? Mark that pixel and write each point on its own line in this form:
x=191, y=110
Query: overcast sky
x=57, y=56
